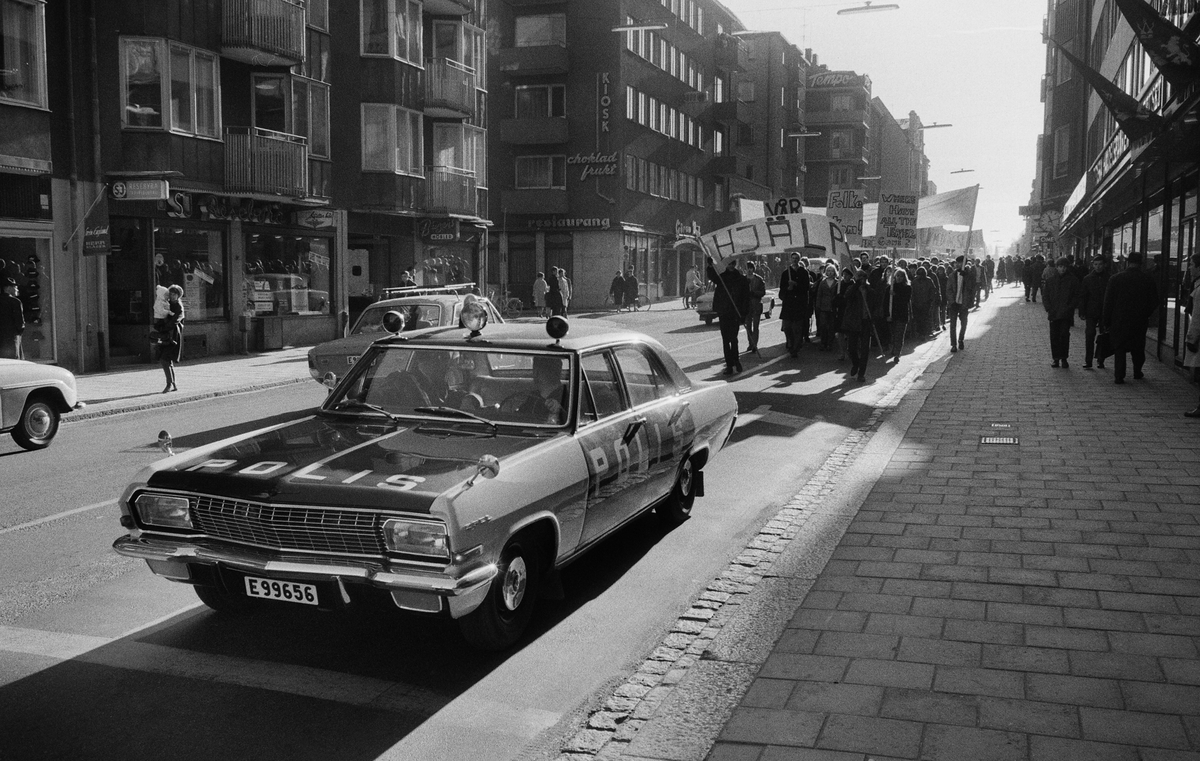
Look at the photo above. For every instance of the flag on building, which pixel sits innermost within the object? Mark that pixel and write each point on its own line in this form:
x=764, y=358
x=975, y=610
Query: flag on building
x=1134, y=119
x=1173, y=51
x=954, y=207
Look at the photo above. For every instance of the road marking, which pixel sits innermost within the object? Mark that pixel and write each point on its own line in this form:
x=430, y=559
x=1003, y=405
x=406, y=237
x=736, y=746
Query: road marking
x=57, y=516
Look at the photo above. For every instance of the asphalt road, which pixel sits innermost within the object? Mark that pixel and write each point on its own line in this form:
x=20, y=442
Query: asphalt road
x=101, y=660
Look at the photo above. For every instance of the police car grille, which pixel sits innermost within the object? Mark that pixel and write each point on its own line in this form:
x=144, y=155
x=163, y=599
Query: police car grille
x=300, y=529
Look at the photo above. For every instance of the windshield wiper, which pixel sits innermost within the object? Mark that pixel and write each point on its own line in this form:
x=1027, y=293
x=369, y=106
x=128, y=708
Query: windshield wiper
x=367, y=405
x=455, y=412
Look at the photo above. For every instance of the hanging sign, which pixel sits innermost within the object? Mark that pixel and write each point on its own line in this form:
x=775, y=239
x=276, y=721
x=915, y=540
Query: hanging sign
x=96, y=240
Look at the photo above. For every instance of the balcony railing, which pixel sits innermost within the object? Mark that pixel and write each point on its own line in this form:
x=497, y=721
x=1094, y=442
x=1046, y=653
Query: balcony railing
x=449, y=89
x=263, y=32
x=450, y=190
x=265, y=161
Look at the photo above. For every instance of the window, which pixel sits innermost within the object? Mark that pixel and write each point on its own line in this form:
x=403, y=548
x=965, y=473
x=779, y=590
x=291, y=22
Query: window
x=1062, y=150
x=630, y=172
x=535, y=101
x=318, y=14
x=644, y=379
x=183, y=76
x=458, y=146
x=290, y=274
x=745, y=91
x=602, y=396
x=718, y=89
x=541, y=172
x=194, y=259
x=630, y=103
x=391, y=139
x=547, y=29
x=23, y=53
x=310, y=114
x=391, y=28
x=841, y=102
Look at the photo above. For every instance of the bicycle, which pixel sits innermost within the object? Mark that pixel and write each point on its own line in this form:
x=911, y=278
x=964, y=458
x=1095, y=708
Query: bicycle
x=508, y=306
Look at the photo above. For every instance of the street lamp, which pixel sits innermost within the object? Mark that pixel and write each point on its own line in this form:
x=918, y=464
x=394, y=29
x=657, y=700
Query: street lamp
x=962, y=171
x=935, y=125
x=866, y=7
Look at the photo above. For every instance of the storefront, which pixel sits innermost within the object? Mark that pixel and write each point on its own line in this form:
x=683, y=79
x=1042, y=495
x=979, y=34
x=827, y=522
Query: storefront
x=256, y=275
x=26, y=232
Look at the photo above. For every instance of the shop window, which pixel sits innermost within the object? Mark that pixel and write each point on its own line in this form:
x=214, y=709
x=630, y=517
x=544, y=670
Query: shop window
x=23, y=52
x=545, y=29
x=28, y=262
x=391, y=139
x=535, y=101
x=155, y=73
x=288, y=274
x=541, y=172
x=194, y=259
x=391, y=28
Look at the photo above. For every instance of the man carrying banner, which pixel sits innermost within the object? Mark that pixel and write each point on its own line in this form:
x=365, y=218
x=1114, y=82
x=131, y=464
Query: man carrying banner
x=731, y=301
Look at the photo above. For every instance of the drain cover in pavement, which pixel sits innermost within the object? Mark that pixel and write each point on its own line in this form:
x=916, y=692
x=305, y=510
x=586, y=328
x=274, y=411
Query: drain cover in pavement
x=998, y=440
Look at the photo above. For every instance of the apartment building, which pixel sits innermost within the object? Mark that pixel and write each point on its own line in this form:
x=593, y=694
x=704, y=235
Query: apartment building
x=839, y=108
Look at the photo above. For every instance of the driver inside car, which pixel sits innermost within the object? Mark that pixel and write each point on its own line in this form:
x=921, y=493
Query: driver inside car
x=546, y=402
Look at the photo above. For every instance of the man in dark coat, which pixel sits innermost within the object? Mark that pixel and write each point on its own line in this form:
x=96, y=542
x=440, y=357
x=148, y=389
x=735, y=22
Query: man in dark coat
x=1091, y=308
x=631, y=289
x=960, y=287
x=1033, y=277
x=12, y=321
x=1060, y=297
x=731, y=302
x=794, y=288
x=1129, y=300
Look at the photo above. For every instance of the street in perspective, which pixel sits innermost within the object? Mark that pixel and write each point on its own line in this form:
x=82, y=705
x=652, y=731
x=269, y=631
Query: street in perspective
x=424, y=380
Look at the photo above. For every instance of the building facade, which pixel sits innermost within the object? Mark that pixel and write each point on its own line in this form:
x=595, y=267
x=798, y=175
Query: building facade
x=1132, y=195
x=838, y=105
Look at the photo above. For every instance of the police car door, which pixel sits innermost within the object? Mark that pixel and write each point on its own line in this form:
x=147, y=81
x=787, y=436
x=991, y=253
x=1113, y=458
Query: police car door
x=654, y=398
x=615, y=444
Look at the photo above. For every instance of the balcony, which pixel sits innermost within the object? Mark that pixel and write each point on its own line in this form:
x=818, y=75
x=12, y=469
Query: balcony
x=266, y=162
x=856, y=118
x=732, y=112
x=449, y=89
x=449, y=7
x=536, y=201
x=545, y=130
x=730, y=54
x=263, y=32
x=450, y=190
x=533, y=61
x=726, y=166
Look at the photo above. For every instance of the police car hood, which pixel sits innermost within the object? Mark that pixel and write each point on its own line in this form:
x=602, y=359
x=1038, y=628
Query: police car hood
x=344, y=462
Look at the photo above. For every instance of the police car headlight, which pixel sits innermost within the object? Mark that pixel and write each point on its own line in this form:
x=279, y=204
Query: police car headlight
x=416, y=538
x=162, y=510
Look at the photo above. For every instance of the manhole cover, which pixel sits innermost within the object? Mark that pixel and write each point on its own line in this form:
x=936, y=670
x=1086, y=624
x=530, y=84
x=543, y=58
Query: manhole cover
x=998, y=440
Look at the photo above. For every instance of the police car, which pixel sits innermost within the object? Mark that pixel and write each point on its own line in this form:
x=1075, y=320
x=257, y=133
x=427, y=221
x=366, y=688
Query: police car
x=452, y=470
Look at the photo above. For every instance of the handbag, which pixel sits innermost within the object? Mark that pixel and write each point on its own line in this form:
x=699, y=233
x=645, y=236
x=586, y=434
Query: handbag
x=155, y=337
x=1103, y=346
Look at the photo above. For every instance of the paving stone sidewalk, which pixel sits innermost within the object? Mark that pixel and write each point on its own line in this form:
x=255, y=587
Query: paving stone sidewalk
x=1029, y=600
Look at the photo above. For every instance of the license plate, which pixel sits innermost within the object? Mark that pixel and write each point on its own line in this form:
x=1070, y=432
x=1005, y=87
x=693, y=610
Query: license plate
x=288, y=591
x=352, y=359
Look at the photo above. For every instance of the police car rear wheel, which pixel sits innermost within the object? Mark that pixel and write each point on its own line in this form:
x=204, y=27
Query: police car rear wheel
x=502, y=617
x=676, y=508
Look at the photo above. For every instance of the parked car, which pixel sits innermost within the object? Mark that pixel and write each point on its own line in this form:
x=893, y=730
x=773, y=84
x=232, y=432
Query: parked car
x=704, y=305
x=433, y=307
x=33, y=397
x=453, y=474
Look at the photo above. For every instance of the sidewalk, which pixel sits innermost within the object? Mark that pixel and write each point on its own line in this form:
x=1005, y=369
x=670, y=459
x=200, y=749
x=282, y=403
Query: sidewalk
x=140, y=387
x=1038, y=599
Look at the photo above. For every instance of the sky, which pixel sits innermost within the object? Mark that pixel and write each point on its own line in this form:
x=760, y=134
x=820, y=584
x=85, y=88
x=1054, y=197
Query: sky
x=976, y=64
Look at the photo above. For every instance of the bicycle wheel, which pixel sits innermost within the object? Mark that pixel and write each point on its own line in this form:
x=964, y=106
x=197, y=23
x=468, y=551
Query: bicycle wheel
x=512, y=307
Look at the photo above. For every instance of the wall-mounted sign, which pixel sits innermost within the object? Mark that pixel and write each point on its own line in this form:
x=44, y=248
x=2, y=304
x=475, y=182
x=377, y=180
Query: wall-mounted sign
x=315, y=218
x=218, y=208
x=140, y=190
x=439, y=230
x=836, y=79
x=603, y=104
x=688, y=228
x=595, y=164
x=569, y=223
x=96, y=241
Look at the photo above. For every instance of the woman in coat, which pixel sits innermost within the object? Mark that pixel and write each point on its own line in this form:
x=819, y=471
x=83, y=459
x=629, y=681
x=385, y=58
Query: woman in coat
x=170, y=350
x=899, y=310
x=856, y=324
x=826, y=295
x=924, y=303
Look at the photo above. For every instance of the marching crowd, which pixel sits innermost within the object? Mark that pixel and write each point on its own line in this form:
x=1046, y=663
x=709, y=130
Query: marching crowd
x=910, y=301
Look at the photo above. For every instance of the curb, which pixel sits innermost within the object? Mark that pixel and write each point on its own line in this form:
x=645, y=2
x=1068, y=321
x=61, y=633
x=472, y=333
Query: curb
x=92, y=414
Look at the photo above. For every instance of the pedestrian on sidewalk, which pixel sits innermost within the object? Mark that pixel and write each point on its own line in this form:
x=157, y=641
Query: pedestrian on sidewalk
x=856, y=325
x=630, y=289
x=730, y=301
x=170, y=350
x=540, y=289
x=941, y=278
x=564, y=288
x=554, y=296
x=961, y=285
x=1033, y=277
x=1091, y=308
x=1191, y=341
x=1129, y=300
x=899, y=311
x=758, y=289
x=794, y=289
x=1060, y=298
x=12, y=321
